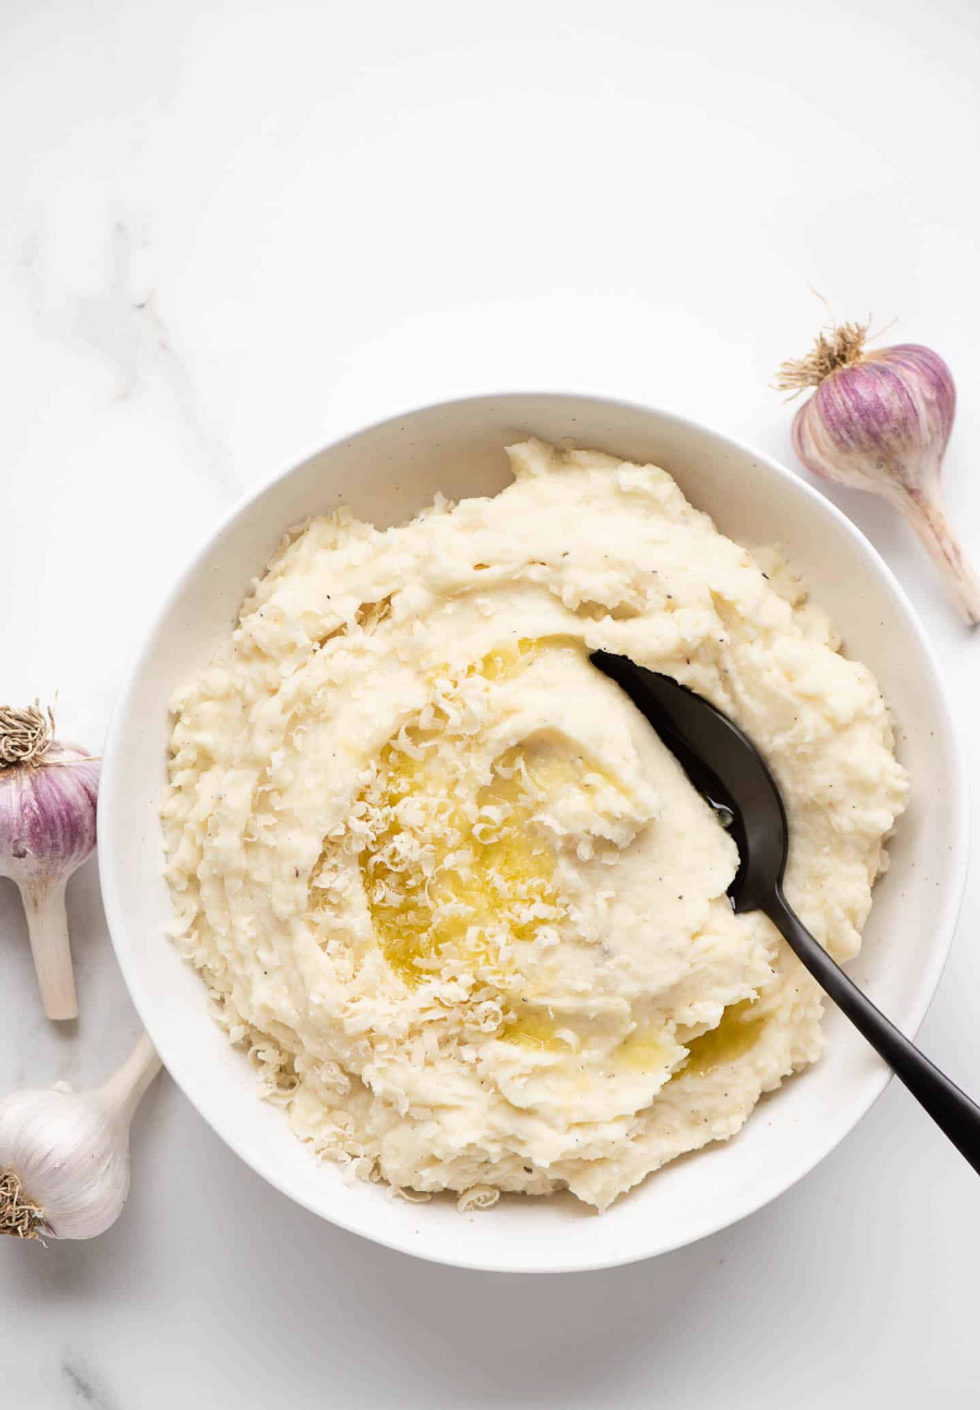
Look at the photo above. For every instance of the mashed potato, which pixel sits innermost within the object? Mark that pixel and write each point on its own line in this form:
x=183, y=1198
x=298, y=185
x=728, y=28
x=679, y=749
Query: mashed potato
x=445, y=882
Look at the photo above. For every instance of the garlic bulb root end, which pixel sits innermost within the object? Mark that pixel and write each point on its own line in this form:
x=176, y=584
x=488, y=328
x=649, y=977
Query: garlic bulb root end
x=19, y=1216
x=25, y=734
x=835, y=347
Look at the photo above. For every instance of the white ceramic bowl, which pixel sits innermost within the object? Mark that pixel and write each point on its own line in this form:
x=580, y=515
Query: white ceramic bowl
x=385, y=474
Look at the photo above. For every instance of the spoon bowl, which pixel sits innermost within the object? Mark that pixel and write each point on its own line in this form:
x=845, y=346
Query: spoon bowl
x=724, y=765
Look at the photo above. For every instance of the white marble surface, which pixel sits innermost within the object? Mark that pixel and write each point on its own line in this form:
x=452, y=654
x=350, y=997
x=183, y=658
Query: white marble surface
x=230, y=231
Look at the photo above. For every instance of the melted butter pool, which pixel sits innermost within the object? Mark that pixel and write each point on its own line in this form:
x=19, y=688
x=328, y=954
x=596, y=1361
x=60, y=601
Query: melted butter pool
x=536, y=1032
x=737, y=1032
x=448, y=880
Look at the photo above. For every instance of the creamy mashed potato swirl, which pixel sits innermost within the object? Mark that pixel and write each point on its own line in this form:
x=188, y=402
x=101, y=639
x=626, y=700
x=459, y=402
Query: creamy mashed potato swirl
x=442, y=879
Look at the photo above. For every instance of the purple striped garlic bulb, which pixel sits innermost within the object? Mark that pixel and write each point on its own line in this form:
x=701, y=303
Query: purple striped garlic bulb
x=881, y=421
x=48, y=795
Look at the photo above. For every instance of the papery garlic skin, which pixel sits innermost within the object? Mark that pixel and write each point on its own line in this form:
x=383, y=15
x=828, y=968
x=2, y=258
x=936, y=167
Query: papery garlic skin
x=70, y=1150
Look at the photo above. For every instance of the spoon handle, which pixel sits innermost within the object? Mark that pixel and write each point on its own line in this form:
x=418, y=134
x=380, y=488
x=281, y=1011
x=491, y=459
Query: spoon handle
x=951, y=1109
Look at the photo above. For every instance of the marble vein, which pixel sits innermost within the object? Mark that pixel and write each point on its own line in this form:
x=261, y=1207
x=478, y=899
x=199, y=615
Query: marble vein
x=82, y=1389
x=129, y=330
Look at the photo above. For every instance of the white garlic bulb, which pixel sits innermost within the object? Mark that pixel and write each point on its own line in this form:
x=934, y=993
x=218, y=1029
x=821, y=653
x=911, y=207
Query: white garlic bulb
x=64, y=1155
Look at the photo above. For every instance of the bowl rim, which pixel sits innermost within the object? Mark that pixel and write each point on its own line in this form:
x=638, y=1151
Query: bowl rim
x=946, y=921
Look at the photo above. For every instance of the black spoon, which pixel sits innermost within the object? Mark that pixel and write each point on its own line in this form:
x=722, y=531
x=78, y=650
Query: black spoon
x=725, y=766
